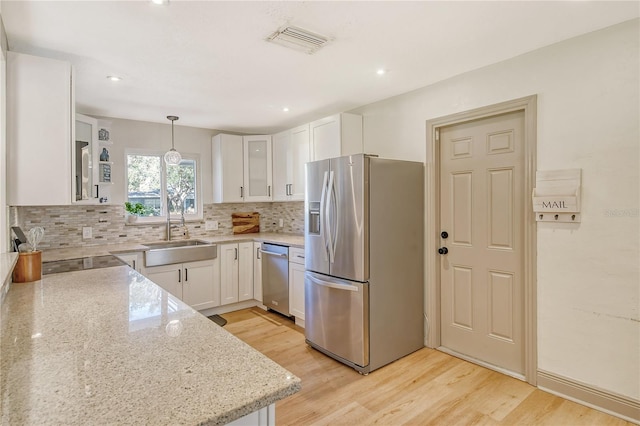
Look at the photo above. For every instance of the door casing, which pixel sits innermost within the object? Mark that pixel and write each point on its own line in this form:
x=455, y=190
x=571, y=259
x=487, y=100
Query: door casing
x=432, y=223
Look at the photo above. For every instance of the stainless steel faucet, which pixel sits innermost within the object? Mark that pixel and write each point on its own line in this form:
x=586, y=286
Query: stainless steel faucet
x=169, y=222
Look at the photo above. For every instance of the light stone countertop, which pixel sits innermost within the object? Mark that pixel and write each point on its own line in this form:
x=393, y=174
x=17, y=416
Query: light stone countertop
x=7, y=262
x=107, y=346
x=105, y=249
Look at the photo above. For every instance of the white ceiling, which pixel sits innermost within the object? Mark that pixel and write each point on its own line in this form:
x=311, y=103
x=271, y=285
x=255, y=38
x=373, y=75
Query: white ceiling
x=208, y=61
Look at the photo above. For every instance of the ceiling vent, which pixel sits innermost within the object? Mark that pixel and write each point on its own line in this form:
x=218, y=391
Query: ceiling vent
x=298, y=39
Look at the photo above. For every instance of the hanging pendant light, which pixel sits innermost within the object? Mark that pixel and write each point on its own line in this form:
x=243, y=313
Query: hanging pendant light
x=172, y=157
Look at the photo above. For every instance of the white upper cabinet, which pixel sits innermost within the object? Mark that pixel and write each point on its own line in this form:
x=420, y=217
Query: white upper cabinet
x=227, y=161
x=241, y=168
x=257, y=168
x=337, y=135
x=40, y=115
x=290, y=153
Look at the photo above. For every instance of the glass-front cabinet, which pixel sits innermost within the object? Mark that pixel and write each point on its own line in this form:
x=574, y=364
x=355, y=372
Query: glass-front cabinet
x=257, y=168
x=89, y=172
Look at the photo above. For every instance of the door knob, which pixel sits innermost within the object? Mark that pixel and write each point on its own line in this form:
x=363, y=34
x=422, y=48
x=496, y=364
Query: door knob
x=443, y=250
x=444, y=234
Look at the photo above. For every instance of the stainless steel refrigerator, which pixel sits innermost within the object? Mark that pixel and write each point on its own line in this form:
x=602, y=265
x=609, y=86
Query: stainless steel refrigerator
x=364, y=259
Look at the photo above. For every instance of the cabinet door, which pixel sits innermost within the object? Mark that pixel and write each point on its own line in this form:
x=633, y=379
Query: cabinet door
x=245, y=271
x=299, y=155
x=281, y=165
x=228, y=254
x=199, y=284
x=84, y=169
x=227, y=160
x=257, y=168
x=132, y=259
x=39, y=114
x=325, y=138
x=257, y=272
x=169, y=277
x=296, y=290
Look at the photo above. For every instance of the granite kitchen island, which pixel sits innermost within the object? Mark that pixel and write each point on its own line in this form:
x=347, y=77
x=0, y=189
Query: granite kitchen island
x=108, y=346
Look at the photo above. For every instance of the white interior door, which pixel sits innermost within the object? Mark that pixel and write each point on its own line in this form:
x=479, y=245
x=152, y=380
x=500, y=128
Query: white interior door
x=481, y=211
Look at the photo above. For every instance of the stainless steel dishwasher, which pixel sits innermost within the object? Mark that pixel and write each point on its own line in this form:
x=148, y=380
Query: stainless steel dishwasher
x=275, y=277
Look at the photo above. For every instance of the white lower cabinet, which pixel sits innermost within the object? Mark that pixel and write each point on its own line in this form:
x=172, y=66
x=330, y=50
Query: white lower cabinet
x=236, y=272
x=263, y=417
x=257, y=272
x=296, y=282
x=131, y=259
x=195, y=283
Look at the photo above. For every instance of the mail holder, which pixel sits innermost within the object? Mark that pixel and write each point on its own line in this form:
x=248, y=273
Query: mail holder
x=556, y=197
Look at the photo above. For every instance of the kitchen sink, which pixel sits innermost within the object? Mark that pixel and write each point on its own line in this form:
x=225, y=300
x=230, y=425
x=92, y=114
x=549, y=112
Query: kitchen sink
x=169, y=252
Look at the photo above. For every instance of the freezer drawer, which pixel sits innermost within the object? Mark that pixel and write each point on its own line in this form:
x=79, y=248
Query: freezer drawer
x=337, y=317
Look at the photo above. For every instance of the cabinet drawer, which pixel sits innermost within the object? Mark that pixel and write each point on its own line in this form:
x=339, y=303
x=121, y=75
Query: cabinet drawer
x=296, y=255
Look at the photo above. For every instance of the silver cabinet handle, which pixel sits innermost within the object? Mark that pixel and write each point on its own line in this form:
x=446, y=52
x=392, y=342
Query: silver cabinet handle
x=269, y=191
x=236, y=254
x=134, y=264
x=241, y=192
x=179, y=275
x=257, y=252
x=186, y=275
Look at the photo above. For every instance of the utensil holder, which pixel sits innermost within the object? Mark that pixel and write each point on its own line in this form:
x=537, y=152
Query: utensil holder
x=28, y=268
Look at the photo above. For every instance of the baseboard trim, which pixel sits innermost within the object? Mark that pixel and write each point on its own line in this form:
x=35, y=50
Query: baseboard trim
x=599, y=399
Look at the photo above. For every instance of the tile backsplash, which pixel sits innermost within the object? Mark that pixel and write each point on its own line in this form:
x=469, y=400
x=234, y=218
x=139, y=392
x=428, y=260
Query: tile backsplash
x=63, y=224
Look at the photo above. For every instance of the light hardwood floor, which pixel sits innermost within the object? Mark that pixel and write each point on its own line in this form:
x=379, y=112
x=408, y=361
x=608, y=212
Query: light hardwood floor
x=427, y=387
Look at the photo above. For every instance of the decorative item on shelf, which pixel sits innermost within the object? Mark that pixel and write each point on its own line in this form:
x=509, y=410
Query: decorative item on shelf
x=134, y=211
x=104, y=155
x=105, y=173
x=29, y=265
x=103, y=135
x=172, y=157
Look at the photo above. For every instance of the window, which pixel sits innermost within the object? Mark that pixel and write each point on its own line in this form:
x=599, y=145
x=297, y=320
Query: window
x=151, y=183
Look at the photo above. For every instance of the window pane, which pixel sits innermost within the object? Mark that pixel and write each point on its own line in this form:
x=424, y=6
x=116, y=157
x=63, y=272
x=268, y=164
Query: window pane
x=181, y=187
x=143, y=182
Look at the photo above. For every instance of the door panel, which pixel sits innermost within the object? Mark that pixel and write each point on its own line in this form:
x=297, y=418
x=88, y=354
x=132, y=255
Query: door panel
x=317, y=258
x=198, y=287
x=229, y=277
x=347, y=217
x=481, y=207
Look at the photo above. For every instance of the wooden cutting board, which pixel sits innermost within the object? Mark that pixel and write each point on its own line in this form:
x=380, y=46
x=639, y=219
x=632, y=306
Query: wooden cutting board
x=245, y=223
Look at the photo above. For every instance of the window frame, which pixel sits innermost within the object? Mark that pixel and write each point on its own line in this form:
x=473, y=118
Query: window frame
x=162, y=218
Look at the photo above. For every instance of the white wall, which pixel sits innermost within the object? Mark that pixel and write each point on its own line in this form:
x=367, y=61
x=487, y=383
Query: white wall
x=588, y=118
x=157, y=136
x=4, y=217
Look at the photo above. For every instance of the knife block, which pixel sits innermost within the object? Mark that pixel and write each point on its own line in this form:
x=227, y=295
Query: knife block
x=28, y=268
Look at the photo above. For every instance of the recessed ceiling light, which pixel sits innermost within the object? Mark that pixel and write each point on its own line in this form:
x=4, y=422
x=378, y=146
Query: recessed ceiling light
x=114, y=78
x=160, y=2
x=381, y=71
x=285, y=109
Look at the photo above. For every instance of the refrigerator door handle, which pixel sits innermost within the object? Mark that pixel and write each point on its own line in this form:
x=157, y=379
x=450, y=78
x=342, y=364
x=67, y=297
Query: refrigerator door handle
x=338, y=286
x=323, y=219
x=330, y=194
x=336, y=224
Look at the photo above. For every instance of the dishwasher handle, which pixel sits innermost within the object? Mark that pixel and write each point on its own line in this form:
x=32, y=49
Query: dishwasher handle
x=273, y=253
